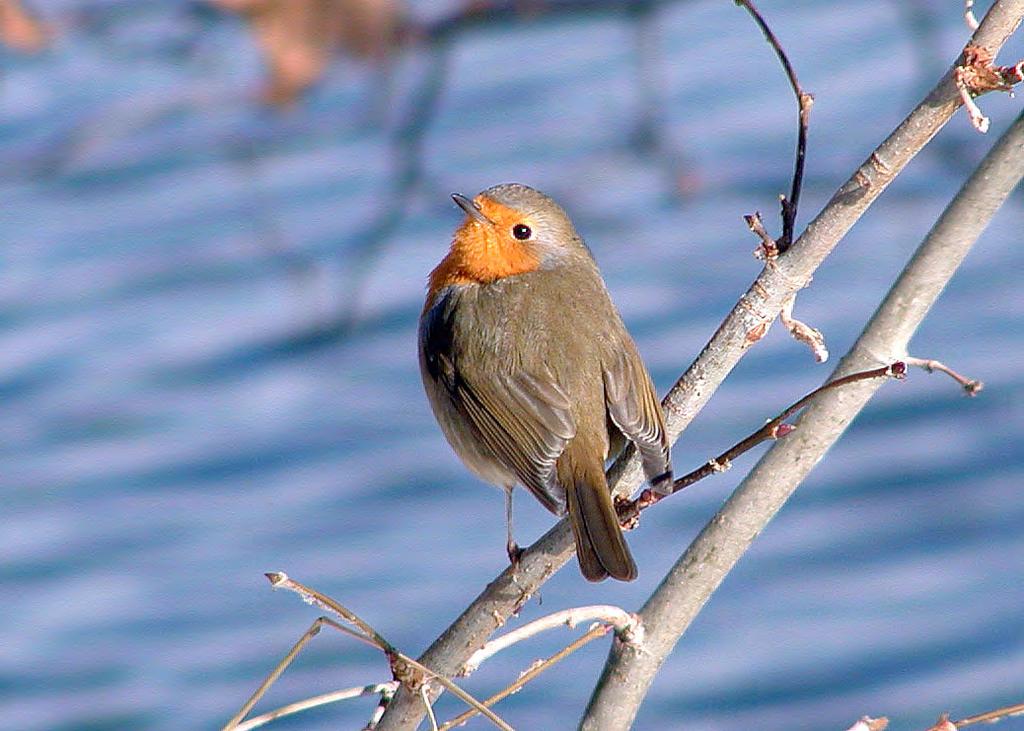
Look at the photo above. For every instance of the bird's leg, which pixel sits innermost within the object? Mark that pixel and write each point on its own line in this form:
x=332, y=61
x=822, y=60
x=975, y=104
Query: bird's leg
x=513, y=549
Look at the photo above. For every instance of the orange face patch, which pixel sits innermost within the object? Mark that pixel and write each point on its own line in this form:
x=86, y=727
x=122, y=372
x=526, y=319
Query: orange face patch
x=482, y=253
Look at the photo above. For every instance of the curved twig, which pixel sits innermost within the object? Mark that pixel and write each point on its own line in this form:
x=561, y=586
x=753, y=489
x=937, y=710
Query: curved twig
x=804, y=103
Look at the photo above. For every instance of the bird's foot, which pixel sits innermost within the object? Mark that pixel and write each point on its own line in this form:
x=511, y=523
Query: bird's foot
x=515, y=553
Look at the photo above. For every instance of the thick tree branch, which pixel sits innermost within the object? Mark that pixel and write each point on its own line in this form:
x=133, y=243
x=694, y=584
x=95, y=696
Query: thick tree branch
x=747, y=322
x=690, y=583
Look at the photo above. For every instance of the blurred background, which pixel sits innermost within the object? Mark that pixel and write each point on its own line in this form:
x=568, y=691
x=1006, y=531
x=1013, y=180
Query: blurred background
x=217, y=219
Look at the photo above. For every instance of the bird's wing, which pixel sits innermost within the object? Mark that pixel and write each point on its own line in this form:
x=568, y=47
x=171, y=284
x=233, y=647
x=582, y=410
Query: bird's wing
x=525, y=421
x=634, y=408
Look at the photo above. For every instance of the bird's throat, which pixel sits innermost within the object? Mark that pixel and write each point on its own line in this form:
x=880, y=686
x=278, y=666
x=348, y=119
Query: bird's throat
x=482, y=253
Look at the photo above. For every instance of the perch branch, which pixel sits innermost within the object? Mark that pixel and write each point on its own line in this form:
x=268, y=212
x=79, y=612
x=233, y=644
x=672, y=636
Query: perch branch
x=759, y=305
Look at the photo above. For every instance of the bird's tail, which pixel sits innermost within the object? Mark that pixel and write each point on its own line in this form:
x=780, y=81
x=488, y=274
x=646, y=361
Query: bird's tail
x=600, y=546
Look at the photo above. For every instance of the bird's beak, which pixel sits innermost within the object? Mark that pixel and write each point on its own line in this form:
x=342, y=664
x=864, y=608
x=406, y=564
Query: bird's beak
x=471, y=208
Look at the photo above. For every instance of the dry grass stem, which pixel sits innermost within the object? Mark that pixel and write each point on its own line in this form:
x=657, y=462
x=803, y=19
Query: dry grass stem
x=385, y=690
x=406, y=670
x=313, y=631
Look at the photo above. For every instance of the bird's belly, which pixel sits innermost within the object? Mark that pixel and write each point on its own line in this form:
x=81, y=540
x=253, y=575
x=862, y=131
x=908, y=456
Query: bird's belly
x=467, y=445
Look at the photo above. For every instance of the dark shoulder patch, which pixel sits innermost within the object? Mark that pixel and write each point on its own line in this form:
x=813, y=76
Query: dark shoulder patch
x=437, y=336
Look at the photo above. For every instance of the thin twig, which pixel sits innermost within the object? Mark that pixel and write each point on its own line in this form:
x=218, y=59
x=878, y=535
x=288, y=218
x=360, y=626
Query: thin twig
x=313, y=631
x=773, y=429
x=989, y=716
x=804, y=103
x=280, y=580
x=386, y=690
x=769, y=249
x=428, y=707
x=381, y=689
x=944, y=724
x=599, y=631
x=401, y=665
x=971, y=387
x=624, y=624
x=978, y=119
x=458, y=692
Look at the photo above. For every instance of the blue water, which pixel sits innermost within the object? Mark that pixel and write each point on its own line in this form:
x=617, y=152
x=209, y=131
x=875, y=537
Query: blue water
x=207, y=369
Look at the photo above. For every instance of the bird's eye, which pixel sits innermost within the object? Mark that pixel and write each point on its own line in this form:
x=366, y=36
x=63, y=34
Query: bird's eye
x=521, y=231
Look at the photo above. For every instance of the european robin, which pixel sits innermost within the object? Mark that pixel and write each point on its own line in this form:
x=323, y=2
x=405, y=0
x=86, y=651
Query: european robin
x=531, y=373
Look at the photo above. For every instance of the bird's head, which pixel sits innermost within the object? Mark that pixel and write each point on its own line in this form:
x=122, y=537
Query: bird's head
x=509, y=229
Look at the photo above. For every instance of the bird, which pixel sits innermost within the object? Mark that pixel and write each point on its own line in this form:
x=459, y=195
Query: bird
x=531, y=374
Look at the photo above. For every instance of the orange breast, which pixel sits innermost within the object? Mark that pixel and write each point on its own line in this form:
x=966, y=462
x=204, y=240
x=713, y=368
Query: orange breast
x=482, y=253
